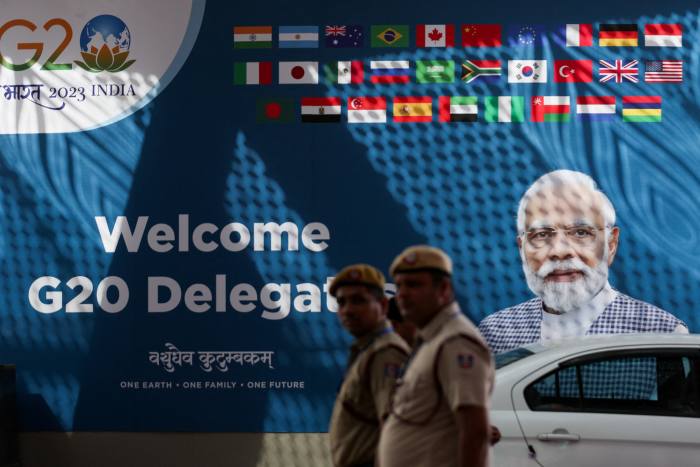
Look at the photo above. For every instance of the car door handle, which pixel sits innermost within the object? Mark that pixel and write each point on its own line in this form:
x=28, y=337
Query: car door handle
x=558, y=437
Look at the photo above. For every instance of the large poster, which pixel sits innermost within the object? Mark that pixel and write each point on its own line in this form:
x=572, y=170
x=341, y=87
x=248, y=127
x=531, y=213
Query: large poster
x=179, y=181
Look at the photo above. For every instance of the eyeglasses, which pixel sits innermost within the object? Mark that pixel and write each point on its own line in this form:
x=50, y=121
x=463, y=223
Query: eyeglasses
x=579, y=235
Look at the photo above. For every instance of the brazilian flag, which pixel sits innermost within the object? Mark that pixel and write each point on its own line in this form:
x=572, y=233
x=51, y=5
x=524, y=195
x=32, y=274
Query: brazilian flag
x=389, y=35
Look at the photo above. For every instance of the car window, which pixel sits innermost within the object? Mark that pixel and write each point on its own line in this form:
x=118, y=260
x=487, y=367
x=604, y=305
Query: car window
x=663, y=384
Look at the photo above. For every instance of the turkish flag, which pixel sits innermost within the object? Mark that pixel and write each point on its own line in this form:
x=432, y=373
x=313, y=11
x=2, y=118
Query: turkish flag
x=567, y=71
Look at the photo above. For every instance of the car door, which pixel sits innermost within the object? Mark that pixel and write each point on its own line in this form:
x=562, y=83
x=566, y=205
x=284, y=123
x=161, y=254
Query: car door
x=628, y=408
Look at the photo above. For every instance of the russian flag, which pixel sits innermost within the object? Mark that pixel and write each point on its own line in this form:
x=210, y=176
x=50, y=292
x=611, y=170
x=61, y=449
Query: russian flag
x=390, y=71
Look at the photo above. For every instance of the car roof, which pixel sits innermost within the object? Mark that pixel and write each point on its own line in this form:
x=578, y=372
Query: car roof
x=600, y=342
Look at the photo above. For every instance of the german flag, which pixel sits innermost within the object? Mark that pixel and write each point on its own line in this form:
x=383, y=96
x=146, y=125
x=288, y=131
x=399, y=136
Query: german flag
x=618, y=35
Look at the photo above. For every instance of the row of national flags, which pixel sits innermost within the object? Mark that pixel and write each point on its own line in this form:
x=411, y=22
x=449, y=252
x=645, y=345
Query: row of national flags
x=445, y=35
x=495, y=109
x=445, y=71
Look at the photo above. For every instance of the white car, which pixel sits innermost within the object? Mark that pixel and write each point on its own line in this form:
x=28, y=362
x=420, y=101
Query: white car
x=622, y=401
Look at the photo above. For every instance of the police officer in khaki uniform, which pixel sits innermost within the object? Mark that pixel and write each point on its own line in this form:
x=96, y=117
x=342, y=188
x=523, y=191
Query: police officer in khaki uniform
x=439, y=414
x=375, y=361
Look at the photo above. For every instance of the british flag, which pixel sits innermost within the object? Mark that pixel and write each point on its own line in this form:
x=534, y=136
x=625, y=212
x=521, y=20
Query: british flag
x=619, y=71
x=335, y=30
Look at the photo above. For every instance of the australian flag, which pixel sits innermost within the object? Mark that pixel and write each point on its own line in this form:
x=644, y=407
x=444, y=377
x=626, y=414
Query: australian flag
x=343, y=36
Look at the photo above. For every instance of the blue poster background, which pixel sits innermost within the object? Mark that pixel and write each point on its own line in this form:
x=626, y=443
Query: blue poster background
x=197, y=150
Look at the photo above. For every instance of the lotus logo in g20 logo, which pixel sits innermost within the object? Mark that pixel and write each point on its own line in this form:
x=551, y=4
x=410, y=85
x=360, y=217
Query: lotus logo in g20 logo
x=104, y=45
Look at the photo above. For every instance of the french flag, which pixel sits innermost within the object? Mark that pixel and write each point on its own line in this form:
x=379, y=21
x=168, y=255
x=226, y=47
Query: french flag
x=579, y=35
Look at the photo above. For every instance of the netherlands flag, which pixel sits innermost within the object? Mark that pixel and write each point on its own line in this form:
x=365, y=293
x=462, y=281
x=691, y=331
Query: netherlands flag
x=595, y=107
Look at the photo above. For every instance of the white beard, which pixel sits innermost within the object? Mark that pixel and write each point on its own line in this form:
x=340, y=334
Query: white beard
x=567, y=296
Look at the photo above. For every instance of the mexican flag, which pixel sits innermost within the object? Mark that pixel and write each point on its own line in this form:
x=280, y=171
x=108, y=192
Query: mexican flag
x=344, y=72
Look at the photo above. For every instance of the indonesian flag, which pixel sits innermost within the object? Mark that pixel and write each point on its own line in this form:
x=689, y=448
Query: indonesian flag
x=663, y=35
x=435, y=35
x=579, y=35
x=366, y=110
x=550, y=108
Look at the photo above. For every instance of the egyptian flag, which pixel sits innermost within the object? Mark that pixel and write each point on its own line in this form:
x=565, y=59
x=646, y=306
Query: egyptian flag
x=618, y=35
x=320, y=109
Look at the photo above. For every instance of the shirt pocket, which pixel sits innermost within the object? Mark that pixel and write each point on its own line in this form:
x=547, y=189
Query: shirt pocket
x=416, y=398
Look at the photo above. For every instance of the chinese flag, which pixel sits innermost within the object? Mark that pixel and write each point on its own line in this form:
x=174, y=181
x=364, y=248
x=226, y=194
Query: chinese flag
x=481, y=35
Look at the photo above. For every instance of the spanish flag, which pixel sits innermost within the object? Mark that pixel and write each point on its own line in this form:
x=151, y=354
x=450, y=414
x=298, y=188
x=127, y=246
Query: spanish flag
x=413, y=109
x=618, y=35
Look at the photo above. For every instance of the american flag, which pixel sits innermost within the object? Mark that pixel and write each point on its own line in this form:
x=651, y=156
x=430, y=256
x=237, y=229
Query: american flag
x=618, y=71
x=664, y=71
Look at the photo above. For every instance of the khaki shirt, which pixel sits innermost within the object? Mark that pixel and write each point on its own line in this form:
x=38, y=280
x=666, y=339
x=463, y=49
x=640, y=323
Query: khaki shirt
x=364, y=397
x=452, y=368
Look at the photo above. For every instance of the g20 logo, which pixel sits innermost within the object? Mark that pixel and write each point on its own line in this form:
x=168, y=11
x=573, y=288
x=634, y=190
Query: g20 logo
x=104, y=45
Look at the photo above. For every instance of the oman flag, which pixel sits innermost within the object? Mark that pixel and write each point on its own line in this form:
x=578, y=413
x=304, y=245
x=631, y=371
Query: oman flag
x=550, y=108
x=568, y=71
x=435, y=35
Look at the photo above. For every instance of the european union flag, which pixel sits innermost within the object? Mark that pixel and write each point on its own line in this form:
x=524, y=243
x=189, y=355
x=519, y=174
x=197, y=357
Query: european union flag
x=342, y=36
x=525, y=35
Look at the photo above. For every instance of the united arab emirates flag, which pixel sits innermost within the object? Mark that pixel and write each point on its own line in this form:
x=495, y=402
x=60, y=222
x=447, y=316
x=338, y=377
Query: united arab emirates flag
x=504, y=109
x=320, y=109
x=458, y=108
x=280, y=110
x=344, y=72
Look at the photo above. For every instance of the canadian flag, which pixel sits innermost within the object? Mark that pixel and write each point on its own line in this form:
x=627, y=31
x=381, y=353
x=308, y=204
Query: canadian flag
x=435, y=35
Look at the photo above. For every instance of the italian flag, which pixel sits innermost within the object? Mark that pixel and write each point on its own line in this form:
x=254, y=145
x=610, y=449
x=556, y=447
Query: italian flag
x=252, y=73
x=345, y=72
x=504, y=109
x=550, y=108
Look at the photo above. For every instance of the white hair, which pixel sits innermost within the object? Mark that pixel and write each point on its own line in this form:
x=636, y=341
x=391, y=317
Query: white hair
x=559, y=178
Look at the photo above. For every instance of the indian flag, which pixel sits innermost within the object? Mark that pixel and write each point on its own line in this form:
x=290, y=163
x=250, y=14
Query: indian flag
x=344, y=72
x=504, y=109
x=252, y=73
x=458, y=108
x=413, y=109
x=252, y=37
x=551, y=108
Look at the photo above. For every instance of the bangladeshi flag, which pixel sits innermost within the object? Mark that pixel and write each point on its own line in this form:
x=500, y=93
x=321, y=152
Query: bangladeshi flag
x=279, y=110
x=551, y=108
x=481, y=35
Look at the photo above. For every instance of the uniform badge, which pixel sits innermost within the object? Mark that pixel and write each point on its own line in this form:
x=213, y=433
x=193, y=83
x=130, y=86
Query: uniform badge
x=354, y=274
x=410, y=258
x=465, y=361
